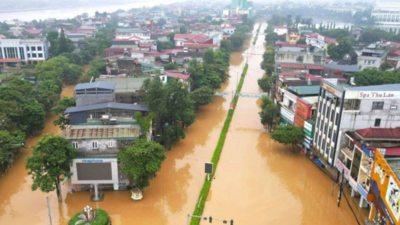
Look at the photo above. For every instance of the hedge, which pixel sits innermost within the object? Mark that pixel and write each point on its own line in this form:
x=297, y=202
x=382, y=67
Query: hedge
x=217, y=154
x=101, y=218
x=258, y=31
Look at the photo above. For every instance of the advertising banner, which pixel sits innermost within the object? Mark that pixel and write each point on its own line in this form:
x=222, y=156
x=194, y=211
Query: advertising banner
x=303, y=109
x=298, y=121
x=289, y=116
x=331, y=89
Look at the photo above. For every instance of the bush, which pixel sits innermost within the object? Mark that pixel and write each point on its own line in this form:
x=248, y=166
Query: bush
x=101, y=218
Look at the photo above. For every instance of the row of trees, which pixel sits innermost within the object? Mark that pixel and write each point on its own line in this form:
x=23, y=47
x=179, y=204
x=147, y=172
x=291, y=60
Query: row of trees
x=239, y=36
x=376, y=77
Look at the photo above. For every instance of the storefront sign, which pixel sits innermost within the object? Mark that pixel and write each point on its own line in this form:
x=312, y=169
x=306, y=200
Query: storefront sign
x=289, y=116
x=378, y=95
x=366, y=151
x=331, y=89
x=343, y=169
x=298, y=121
x=303, y=109
x=392, y=197
x=92, y=160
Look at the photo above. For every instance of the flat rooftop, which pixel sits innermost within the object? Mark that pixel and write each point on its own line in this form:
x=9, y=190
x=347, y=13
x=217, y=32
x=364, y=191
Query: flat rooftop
x=384, y=87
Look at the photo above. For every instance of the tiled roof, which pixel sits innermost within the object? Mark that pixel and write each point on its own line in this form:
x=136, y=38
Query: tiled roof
x=102, y=132
x=395, y=53
x=379, y=133
x=194, y=45
x=177, y=75
x=293, y=65
x=33, y=31
x=315, y=67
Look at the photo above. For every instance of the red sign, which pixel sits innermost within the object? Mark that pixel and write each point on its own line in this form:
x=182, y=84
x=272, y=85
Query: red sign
x=298, y=121
x=303, y=109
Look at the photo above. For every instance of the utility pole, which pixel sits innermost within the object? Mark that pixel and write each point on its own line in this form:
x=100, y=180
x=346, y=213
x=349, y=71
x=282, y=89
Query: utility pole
x=48, y=209
x=340, y=191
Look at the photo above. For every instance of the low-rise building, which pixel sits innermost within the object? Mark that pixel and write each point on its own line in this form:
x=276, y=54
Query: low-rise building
x=125, y=33
x=373, y=56
x=292, y=36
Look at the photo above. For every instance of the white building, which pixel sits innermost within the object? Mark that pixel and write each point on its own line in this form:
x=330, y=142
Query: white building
x=342, y=109
x=30, y=51
x=281, y=30
x=387, y=13
x=373, y=56
x=126, y=33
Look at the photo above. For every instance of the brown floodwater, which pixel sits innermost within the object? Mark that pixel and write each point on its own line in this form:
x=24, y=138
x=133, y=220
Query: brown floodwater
x=259, y=181
x=171, y=195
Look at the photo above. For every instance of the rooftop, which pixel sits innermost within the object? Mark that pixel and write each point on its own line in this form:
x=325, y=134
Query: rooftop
x=126, y=132
x=305, y=90
x=384, y=87
x=127, y=84
x=98, y=84
x=109, y=105
x=379, y=133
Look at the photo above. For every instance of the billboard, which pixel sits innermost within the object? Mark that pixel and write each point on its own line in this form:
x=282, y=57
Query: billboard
x=303, y=109
x=298, y=121
x=94, y=171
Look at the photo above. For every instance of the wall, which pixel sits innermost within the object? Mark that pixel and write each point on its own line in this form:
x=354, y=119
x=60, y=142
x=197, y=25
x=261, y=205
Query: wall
x=89, y=99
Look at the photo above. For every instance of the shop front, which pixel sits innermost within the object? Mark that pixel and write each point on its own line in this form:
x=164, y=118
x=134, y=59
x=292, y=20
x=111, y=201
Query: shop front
x=287, y=117
x=309, y=128
x=384, y=193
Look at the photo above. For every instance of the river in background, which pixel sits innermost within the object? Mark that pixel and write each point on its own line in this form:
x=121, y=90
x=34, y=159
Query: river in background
x=69, y=13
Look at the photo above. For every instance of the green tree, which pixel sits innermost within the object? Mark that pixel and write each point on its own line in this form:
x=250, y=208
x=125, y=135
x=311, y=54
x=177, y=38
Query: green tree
x=237, y=40
x=208, y=57
x=266, y=83
x=62, y=105
x=202, y=96
x=170, y=66
x=10, y=144
x=268, y=114
x=376, y=77
x=64, y=44
x=183, y=30
x=144, y=122
x=48, y=94
x=73, y=57
x=271, y=38
x=142, y=161
x=288, y=135
x=52, y=158
x=52, y=37
x=226, y=46
x=34, y=116
x=338, y=51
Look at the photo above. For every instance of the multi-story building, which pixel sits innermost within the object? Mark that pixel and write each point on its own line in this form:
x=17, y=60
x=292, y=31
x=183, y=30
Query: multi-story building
x=342, y=109
x=15, y=53
x=319, y=41
x=126, y=33
x=299, y=54
x=292, y=36
x=387, y=13
x=373, y=56
x=98, y=128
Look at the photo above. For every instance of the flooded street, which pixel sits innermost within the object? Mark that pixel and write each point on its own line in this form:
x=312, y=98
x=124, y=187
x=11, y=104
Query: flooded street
x=259, y=181
x=170, y=197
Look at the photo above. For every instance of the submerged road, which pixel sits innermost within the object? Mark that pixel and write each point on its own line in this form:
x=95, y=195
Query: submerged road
x=259, y=181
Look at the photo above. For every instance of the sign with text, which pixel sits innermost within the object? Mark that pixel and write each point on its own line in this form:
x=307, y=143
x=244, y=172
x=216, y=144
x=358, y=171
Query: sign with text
x=331, y=89
x=378, y=95
x=209, y=168
x=287, y=114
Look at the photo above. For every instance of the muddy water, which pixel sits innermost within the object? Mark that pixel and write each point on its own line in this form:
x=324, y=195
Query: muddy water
x=259, y=181
x=170, y=197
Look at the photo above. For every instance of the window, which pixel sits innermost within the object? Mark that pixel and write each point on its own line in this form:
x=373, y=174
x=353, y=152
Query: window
x=393, y=107
x=40, y=55
x=110, y=144
x=29, y=55
x=39, y=48
x=377, y=105
x=377, y=122
x=33, y=55
x=75, y=145
x=332, y=115
x=337, y=119
x=95, y=145
x=27, y=48
x=33, y=48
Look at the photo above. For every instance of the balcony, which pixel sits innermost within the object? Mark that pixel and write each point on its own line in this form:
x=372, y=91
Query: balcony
x=347, y=152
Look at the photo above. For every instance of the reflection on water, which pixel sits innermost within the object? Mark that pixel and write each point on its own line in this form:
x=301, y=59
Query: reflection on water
x=259, y=181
